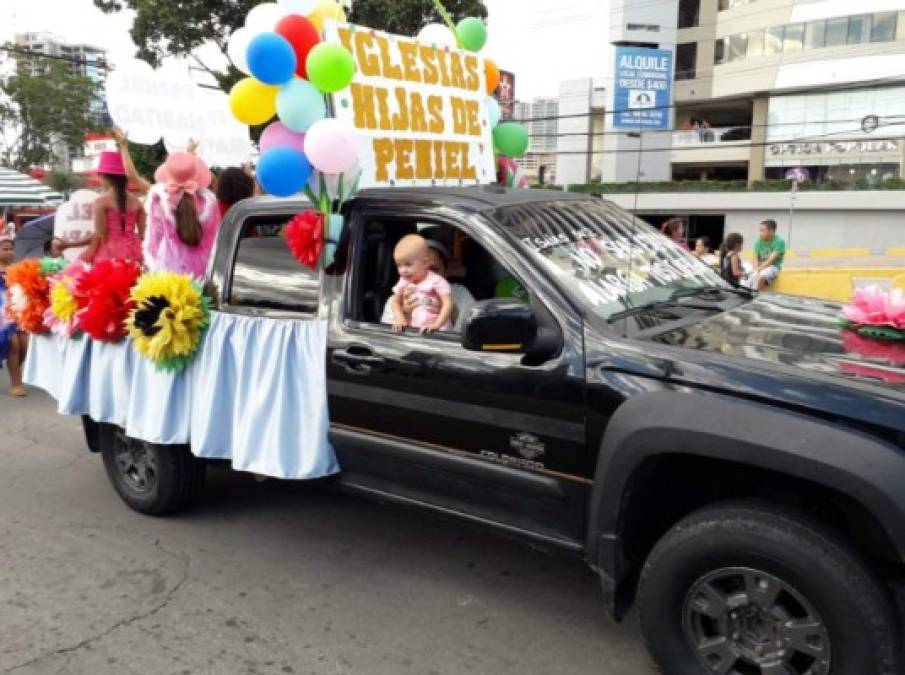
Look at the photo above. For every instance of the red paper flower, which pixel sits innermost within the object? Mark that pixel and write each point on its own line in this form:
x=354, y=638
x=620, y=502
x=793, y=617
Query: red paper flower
x=102, y=294
x=305, y=237
x=29, y=296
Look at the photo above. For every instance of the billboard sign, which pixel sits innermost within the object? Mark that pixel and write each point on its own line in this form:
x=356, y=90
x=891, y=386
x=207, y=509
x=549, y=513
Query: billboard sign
x=643, y=91
x=505, y=95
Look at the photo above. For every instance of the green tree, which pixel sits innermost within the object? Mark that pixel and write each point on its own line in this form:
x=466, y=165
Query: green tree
x=178, y=27
x=407, y=17
x=43, y=106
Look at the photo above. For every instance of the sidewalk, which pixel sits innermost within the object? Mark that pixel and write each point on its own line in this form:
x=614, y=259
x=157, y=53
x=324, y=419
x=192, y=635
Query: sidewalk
x=864, y=262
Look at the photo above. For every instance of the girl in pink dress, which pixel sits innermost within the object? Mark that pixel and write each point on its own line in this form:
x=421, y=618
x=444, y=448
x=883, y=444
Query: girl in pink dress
x=119, y=219
x=183, y=217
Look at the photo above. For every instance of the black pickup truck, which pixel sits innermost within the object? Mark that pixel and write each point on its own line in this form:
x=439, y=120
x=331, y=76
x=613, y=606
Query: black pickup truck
x=725, y=459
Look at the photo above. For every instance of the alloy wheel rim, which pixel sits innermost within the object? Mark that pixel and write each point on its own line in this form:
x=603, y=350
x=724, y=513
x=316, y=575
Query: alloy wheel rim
x=135, y=463
x=743, y=621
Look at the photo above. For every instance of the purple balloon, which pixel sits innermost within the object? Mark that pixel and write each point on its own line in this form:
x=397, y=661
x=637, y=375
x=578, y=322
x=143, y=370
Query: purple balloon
x=278, y=135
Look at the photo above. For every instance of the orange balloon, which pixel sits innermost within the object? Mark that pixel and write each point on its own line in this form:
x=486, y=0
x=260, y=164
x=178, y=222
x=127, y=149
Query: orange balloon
x=493, y=75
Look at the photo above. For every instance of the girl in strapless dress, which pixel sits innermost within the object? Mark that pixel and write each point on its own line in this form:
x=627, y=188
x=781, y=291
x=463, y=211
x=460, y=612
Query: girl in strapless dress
x=119, y=218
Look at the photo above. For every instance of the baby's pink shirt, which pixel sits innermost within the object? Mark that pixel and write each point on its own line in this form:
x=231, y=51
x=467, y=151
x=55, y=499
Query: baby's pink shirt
x=430, y=291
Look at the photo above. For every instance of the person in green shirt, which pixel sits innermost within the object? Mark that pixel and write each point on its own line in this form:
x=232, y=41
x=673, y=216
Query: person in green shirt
x=769, y=253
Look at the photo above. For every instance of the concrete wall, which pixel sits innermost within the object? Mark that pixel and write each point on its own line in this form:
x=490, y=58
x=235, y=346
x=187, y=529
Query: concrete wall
x=874, y=220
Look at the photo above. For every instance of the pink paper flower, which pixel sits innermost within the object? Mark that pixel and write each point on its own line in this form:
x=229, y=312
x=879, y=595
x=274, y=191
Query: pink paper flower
x=868, y=307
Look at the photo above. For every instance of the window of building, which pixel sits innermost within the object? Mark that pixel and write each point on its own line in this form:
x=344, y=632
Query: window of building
x=773, y=40
x=793, y=39
x=719, y=51
x=883, y=27
x=267, y=279
x=686, y=60
x=689, y=12
x=733, y=4
x=836, y=31
x=859, y=29
x=755, y=44
x=815, y=34
x=738, y=46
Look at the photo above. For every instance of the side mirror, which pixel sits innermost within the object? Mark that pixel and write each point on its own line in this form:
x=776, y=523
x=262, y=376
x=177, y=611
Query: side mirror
x=499, y=325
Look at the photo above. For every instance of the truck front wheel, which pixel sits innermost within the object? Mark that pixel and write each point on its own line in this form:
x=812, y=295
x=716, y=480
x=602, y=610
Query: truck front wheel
x=751, y=589
x=153, y=479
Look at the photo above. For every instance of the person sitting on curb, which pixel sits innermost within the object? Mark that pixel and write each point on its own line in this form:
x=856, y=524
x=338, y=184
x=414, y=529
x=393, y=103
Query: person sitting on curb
x=769, y=254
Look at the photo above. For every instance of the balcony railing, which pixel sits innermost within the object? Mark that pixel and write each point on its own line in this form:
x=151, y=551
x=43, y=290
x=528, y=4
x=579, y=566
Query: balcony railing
x=711, y=135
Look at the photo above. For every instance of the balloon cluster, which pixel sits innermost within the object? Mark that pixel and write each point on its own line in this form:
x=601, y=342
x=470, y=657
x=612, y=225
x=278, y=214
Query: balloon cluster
x=510, y=139
x=290, y=70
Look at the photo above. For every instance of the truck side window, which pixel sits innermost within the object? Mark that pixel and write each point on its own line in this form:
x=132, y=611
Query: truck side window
x=266, y=277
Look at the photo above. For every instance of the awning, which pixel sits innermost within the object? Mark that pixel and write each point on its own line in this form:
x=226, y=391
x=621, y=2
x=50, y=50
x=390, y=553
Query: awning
x=18, y=189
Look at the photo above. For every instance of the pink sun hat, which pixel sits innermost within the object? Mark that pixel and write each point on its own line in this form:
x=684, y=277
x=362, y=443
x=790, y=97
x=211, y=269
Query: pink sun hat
x=111, y=164
x=184, y=169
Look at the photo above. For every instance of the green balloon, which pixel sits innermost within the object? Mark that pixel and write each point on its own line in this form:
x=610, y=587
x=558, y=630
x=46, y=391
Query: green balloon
x=330, y=67
x=510, y=139
x=472, y=34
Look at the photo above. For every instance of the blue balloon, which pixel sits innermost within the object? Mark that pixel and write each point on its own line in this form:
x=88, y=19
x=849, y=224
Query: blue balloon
x=283, y=172
x=271, y=59
x=300, y=104
x=493, y=111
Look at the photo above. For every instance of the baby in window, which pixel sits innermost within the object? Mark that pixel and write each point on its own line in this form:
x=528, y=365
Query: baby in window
x=433, y=294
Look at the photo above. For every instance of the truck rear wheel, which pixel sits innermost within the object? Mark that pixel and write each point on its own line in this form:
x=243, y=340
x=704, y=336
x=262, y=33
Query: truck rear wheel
x=748, y=589
x=153, y=479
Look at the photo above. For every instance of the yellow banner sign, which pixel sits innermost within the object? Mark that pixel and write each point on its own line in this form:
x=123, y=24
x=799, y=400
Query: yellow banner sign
x=420, y=111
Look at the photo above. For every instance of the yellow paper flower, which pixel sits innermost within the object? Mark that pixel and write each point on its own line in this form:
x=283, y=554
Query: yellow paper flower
x=171, y=314
x=62, y=302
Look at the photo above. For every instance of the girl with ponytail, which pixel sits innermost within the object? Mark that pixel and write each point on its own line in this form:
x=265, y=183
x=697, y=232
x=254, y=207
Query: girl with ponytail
x=183, y=217
x=119, y=221
x=731, y=268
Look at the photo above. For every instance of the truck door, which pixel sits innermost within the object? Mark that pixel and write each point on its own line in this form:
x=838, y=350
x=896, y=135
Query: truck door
x=484, y=435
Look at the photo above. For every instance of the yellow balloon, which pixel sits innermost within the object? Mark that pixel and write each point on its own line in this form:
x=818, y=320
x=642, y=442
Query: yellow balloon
x=253, y=102
x=327, y=10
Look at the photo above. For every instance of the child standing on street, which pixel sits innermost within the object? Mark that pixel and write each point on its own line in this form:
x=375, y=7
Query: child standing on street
x=433, y=294
x=13, y=342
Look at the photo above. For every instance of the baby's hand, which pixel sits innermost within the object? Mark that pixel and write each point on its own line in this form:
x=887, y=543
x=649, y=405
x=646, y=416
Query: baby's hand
x=399, y=326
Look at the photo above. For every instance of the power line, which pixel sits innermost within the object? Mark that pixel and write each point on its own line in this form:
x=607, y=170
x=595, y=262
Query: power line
x=716, y=146
x=102, y=65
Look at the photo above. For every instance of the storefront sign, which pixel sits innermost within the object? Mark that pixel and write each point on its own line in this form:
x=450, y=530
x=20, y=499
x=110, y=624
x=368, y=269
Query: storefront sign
x=74, y=220
x=643, y=91
x=835, y=148
x=420, y=111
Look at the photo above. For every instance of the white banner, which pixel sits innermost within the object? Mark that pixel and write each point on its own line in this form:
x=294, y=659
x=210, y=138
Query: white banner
x=74, y=220
x=420, y=111
x=152, y=104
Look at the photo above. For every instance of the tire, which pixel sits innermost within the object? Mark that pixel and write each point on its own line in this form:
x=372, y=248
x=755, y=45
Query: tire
x=739, y=588
x=156, y=480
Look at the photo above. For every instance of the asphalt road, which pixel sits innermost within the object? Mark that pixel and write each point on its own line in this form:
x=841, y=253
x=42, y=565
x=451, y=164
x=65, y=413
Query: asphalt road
x=270, y=577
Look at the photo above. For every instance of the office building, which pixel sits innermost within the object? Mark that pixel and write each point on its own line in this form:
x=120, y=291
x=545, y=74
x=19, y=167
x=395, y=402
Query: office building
x=541, y=118
x=772, y=89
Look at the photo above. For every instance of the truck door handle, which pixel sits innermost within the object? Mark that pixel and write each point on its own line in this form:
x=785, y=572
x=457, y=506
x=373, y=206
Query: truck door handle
x=357, y=359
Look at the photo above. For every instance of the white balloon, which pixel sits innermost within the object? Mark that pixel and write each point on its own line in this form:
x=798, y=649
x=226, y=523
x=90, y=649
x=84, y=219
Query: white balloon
x=437, y=34
x=302, y=7
x=264, y=18
x=237, y=49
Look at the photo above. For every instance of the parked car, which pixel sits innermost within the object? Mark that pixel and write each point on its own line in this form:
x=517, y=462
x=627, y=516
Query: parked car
x=716, y=456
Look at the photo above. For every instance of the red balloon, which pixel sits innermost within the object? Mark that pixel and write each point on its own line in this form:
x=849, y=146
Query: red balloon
x=302, y=35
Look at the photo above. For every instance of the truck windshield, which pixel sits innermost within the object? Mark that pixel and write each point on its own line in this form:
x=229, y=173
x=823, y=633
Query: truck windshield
x=608, y=262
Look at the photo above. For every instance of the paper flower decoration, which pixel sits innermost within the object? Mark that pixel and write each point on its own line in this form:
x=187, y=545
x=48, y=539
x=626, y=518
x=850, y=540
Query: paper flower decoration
x=305, y=237
x=28, y=298
x=169, y=318
x=103, y=297
x=61, y=316
x=876, y=314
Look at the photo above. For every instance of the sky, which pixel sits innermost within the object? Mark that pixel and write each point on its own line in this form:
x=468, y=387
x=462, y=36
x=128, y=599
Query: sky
x=542, y=41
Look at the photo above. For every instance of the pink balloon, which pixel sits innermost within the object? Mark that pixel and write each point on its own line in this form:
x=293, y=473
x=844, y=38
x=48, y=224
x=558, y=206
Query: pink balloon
x=278, y=135
x=331, y=146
